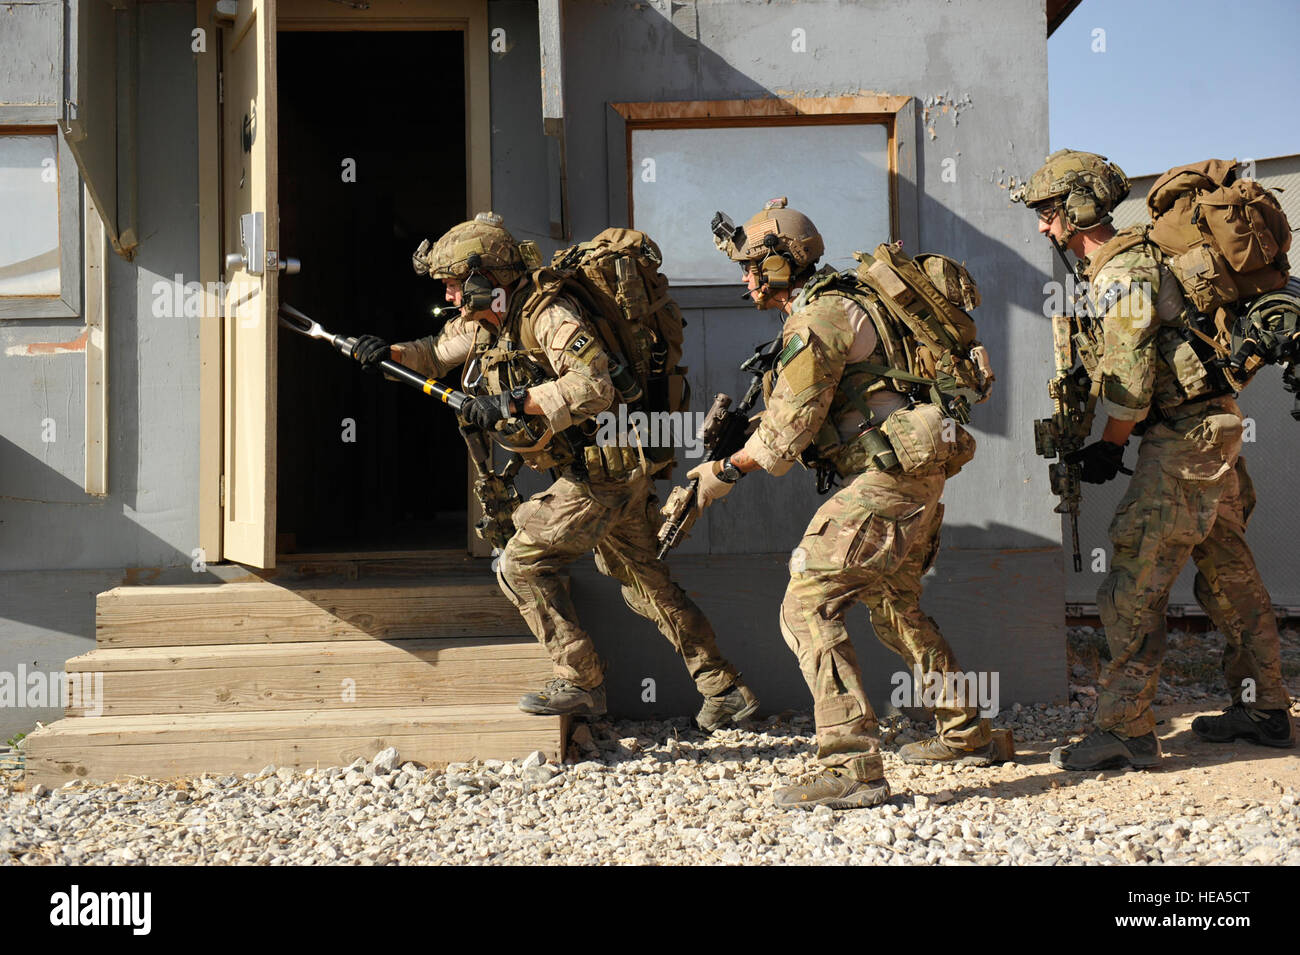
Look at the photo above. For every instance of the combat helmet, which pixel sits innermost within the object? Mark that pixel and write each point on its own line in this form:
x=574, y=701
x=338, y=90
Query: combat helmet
x=1086, y=185
x=782, y=242
x=480, y=245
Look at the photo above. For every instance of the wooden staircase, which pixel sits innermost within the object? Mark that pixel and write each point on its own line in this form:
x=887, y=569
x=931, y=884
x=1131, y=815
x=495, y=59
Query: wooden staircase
x=228, y=678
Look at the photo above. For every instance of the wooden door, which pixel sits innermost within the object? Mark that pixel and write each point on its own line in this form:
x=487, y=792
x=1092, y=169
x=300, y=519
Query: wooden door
x=251, y=230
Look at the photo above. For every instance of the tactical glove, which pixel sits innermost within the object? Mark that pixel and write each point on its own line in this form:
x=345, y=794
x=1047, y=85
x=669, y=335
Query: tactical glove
x=1099, y=461
x=485, y=412
x=370, y=350
x=713, y=485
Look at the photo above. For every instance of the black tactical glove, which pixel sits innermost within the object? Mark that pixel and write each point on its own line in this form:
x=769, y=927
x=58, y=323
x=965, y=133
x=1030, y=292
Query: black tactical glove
x=370, y=350
x=1099, y=461
x=484, y=413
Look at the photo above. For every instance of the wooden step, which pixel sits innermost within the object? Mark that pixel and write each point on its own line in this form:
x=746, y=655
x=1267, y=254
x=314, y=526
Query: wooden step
x=298, y=676
x=301, y=612
x=168, y=746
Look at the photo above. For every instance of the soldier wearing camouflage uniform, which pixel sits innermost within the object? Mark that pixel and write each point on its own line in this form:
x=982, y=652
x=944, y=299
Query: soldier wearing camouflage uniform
x=871, y=542
x=1190, y=495
x=531, y=356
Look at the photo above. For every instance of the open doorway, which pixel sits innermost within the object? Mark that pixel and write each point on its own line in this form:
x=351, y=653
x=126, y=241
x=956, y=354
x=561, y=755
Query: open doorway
x=366, y=464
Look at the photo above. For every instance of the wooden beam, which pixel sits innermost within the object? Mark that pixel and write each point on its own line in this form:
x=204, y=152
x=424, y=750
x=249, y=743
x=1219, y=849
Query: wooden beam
x=167, y=747
x=96, y=317
x=766, y=107
x=437, y=650
x=342, y=676
x=260, y=612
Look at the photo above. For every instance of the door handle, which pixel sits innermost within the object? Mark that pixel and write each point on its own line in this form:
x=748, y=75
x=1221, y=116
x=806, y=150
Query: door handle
x=288, y=264
x=254, y=257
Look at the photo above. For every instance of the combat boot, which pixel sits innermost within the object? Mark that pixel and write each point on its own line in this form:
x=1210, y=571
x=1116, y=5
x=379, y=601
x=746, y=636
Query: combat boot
x=731, y=707
x=1264, y=727
x=1105, y=750
x=934, y=750
x=559, y=697
x=834, y=787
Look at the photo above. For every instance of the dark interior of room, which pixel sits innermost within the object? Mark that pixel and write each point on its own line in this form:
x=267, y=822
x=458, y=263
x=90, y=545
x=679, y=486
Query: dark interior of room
x=394, y=103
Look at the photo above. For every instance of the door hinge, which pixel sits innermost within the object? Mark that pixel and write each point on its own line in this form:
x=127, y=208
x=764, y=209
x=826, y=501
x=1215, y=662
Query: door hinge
x=222, y=492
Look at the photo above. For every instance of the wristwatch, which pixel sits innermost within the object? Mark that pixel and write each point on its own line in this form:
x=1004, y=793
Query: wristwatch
x=729, y=472
x=513, y=403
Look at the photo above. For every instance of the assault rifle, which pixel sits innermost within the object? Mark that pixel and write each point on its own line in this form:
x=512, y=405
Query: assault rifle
x=1074, y=399
x=723, y=434
x=494, y=490
x=1066, y=431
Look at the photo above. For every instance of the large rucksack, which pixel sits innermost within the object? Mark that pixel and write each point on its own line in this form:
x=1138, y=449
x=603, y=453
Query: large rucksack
x=927, y=337
x=616, y=277
x=1224, y=238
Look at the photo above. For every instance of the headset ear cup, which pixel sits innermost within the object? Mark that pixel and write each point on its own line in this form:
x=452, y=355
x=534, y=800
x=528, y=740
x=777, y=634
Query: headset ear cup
x=1081, y=209
x=776, y=271
x=478, y=292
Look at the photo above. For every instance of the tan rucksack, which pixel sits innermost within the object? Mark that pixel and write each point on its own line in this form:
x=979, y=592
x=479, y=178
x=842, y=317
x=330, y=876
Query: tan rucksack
x=1225, y=238
x=933, y=341
x=616, y=276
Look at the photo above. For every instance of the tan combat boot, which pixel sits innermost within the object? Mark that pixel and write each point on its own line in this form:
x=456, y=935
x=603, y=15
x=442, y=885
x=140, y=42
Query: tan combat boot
x=935, y=750
x=729, y=708
x=559, y=697
x=835, y=787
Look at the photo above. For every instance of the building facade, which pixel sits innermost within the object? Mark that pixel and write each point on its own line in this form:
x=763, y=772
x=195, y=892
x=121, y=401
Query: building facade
x=157, y=427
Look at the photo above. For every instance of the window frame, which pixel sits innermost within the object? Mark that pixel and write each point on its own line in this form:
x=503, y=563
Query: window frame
x=67, y=303
x=896, y=113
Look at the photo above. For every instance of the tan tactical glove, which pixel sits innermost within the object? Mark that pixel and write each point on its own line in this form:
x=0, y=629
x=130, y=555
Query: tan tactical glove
x=713, y=484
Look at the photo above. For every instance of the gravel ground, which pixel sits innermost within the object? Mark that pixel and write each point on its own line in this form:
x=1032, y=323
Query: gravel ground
x=659, y=792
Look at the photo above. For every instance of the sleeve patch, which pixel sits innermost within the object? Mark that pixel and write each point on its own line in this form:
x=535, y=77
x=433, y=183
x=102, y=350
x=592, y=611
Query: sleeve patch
x=582, y=346
x=800, y=372
x=577, y=341
x=1112, y=294
x=792, y=348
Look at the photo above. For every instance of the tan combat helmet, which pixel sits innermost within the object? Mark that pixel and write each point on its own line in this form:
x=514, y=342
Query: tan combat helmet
x=783, y=243
x=1087, y=187
x=480, y=245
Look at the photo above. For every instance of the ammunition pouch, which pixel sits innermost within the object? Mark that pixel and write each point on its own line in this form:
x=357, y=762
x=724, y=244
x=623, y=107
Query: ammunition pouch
x=1195, y=364
x=924, y=437
x=610, y=462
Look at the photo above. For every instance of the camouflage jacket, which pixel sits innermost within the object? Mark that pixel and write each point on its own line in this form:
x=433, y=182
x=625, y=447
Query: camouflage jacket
x=807, y=405
x=551, y=350
x=558, y=339
x=1141, y=342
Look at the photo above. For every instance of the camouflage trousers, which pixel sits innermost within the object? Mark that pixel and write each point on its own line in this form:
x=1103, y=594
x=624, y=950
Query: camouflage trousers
x=618, y=522
x=1190, y=496
x=871, y=542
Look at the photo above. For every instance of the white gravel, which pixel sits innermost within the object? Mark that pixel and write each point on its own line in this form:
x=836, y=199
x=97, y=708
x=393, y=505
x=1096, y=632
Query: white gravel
x=659, y=792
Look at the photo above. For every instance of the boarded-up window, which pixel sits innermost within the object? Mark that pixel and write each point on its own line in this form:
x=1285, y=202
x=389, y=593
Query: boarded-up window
x=29, y=223
x=838, y=174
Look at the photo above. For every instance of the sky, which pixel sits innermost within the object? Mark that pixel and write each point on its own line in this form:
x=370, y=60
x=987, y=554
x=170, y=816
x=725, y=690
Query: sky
x=1171, y=82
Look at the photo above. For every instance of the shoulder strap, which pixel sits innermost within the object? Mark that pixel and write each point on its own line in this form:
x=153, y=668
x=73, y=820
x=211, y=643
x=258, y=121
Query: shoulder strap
x=1122, y=242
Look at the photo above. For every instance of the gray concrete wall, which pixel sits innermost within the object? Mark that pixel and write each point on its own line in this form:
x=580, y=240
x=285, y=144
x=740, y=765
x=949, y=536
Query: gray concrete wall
x=81, y=544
